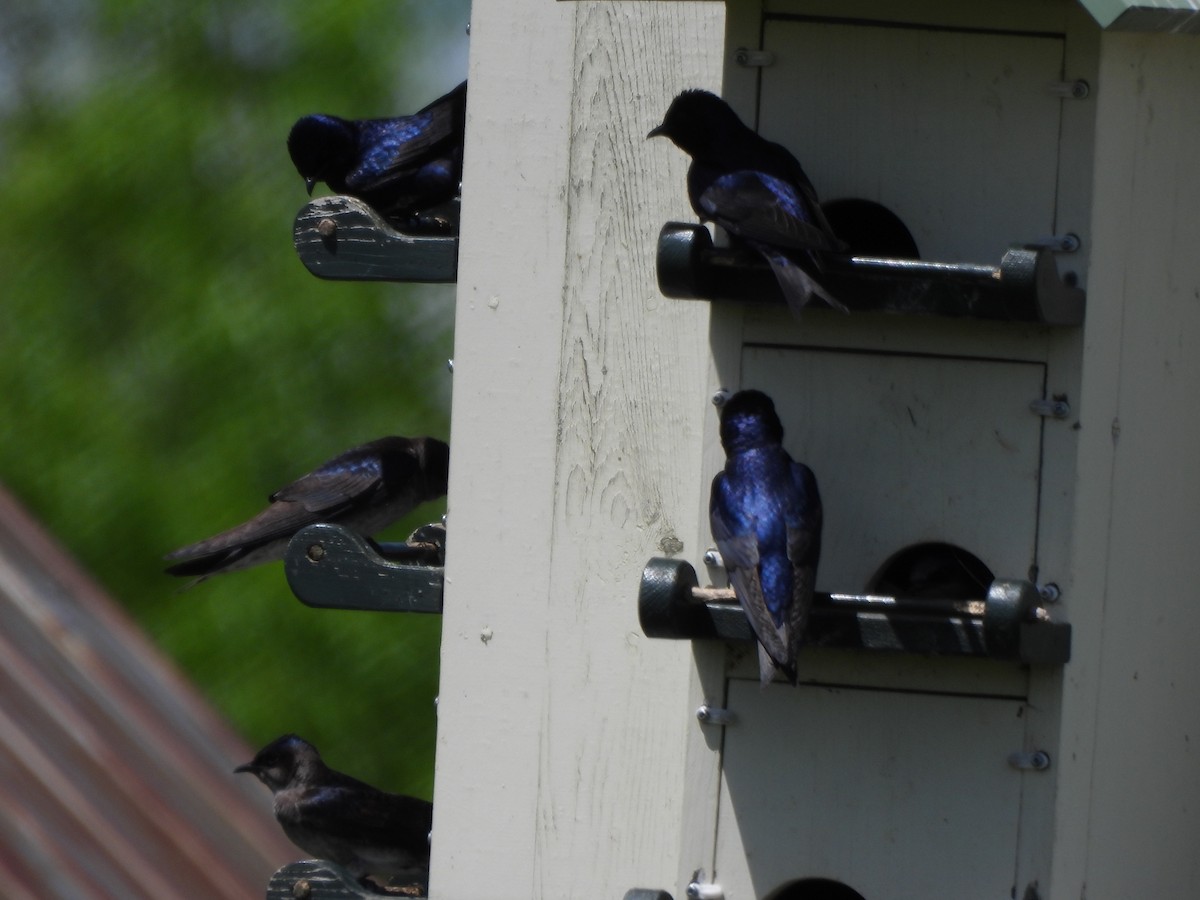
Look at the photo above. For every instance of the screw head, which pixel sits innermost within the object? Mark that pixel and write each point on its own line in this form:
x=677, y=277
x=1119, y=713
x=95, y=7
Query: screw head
x=327, y=228
x=301, y=890
x=315, y=552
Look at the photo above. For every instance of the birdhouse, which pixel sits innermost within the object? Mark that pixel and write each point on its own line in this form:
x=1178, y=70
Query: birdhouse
x=992, y=699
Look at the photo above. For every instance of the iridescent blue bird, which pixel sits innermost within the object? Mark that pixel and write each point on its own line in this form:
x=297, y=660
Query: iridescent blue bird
x=401, y=167
x=755, y=189
x=365, y=489
x=341, y=819
x=765, y=512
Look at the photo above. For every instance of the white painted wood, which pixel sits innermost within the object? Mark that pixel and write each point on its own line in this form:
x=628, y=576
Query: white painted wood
x=1129, y=790
x=579, y=398
x=900, y=796
x=955, y=132
x=569, y=761
x=501, y=495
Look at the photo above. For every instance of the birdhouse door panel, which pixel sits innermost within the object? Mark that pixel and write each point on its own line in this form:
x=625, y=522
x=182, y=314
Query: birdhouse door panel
x=956, y=131
x=910, y=449
x=901, y=796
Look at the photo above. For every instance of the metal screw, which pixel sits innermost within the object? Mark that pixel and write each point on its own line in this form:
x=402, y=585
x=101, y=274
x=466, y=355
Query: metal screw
x=450, y=366
x=719, y=398
x=301, y=889
x=712, y=559
x=316, y=552
x=327, y=228
x=1049, y=592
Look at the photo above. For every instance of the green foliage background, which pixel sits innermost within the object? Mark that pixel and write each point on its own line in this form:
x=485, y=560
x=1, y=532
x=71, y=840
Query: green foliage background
x=166, y=361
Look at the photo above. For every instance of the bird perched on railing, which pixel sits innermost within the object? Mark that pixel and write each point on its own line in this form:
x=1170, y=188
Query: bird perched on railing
x=402, y=167
x=341, y=819
x=364, y=489
x=755, y=189
x=765, y=512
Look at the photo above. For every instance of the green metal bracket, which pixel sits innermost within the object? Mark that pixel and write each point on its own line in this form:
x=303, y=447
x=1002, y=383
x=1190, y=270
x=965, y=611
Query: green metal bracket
x=342, y=238
x=330, y=567
x=1006, y=624
x=316, y=879
x=1025, y=287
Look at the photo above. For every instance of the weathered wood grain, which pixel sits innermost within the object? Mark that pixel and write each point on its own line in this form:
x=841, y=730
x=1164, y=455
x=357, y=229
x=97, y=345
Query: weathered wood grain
x=579, y=398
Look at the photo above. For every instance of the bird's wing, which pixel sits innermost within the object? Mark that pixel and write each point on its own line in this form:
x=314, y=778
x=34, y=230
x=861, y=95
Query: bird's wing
x=739, y=552
x=366, y=816
x=396, y=148
x=804, y=549
x=760, y=207
x=797, y=285
x=805, y=517
x=347, y=479
x=345, y=482
x=279, y=520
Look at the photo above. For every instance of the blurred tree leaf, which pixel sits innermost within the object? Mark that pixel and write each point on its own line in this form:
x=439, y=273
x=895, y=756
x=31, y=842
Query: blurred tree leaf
x=166, y=362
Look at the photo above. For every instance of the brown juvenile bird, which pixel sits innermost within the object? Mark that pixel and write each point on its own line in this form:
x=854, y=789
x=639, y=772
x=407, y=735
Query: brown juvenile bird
x=341, y=819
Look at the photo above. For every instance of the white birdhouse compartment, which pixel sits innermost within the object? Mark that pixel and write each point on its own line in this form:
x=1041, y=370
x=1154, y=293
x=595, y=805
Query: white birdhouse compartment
x=951, y=149
x=911, y=449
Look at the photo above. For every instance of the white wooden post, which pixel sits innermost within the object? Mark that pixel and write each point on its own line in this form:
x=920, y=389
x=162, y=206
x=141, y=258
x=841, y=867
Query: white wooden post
x=580, y=395
x=1128, y=813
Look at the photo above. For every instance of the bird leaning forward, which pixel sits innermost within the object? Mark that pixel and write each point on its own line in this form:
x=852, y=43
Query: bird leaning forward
x=401, y=167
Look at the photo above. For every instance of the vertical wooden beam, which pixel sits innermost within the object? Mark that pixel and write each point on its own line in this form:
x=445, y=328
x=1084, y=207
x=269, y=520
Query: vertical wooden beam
x=1129, y=787
x=578, y=400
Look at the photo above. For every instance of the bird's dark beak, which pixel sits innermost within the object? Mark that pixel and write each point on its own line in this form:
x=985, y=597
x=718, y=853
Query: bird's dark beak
x=310, y=183
x=247, y=767
x=657, y=132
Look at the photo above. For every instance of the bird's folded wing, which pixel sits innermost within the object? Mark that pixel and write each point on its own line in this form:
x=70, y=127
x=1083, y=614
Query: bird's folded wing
x=761, y=208
x=398, y=151
x=335, y=486
x=740, y=555
x=368, y=817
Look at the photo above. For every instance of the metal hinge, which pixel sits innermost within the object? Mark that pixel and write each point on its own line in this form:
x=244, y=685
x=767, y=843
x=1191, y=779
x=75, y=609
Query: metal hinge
x=1057, y=243
x=1054, y=408
x=715, y=715
x=1071, y=90
x=1037, y=760
x=703, y=889
x=744, y=56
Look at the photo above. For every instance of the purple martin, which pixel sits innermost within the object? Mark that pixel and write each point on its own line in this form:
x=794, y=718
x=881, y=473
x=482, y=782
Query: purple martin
x=754, y=189
x=341, y=819
x=365, y=489
x=401, y=166
x=765, y=513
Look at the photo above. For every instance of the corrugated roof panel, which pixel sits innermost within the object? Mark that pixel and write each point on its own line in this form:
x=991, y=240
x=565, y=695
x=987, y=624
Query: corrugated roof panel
x=115, y=775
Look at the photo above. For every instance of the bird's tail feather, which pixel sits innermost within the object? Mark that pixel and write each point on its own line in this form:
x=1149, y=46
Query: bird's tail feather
x=767, y=667
x=797, y=285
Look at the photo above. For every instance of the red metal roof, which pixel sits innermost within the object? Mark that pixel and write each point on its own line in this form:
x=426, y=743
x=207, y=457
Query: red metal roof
x=115, y=775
